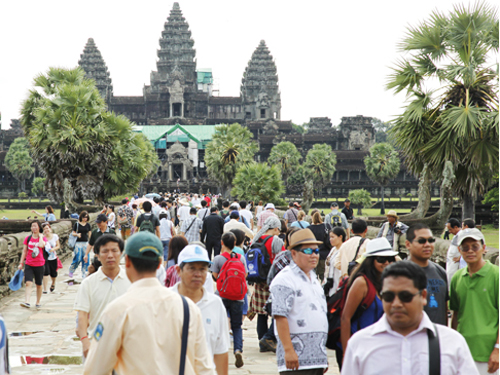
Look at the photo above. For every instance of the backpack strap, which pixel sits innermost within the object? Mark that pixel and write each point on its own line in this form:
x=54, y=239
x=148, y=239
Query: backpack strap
x=185, y=331
x=190, y=225
x=370, y=296
x=434, y=352
x=357, y=250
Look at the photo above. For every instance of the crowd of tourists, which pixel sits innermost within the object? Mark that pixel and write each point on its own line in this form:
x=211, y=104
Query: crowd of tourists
x=196, y=266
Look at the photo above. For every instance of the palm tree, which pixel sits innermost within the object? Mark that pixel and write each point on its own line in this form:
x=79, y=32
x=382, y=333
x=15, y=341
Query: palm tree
x=231, y=147
x=382, y=165
x=458, y=121
x=286, y=155
x=361, y=197
x=19, y=162
x=259, y=182
x=319, y=166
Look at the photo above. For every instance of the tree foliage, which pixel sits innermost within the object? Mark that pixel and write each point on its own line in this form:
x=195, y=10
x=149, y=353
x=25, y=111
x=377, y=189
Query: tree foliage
x=360, y=197
x=491, y=197
x=73, y=137
x=231, y=148
x=297, y=177
x=38, y=185
x=319, y=166
x=457, y=121
x=287, y=157
x=259, y=181
x=19, y=162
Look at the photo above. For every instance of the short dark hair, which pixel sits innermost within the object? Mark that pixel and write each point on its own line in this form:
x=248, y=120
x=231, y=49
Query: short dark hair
x=106, y=238
x=146, y=266
x=239, y=234
x=163, y=204
x=410, y=233
x=214, y=209
x=124, y=201
x=82, y=215
x=290, y=204
x=358, y=226
x=243, y=204
x=229, y=240
x=175, y=246
x=111, y=207
x=163, y=215
x=454, y=223
x=147, y=206
x=203, y=203
x=192, y=211
x=234, y=215
x=339, y=231
x=283, y=226
x=470, y=223
x=225, y=204
x=406, y=269
x=156, y=199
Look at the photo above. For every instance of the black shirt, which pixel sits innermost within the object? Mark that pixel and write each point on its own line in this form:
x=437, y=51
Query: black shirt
x=319, y=231
x=96, y=233
x=84, y=230
x=348, y=212
x=213, y=227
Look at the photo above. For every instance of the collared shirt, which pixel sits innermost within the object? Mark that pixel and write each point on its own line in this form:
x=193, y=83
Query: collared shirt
x=140, y=333
x=214, y=320
x=193, y=234
x=261, y=219
x=301, y=300
x=378, y=349
x=183, y=213
x=96, y=233
x=203, y=213
x=346, y=253
x=234, y=224
x=475, y=300
x=96, y=292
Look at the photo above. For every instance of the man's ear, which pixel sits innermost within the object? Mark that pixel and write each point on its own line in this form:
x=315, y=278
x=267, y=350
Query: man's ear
x=407, y=244
x=424, y=297
x=128, y=262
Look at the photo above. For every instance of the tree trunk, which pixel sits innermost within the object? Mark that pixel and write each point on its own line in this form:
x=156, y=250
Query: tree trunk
x=424, y=196
x=359, y=209
x=382, y=207
x=469, y=208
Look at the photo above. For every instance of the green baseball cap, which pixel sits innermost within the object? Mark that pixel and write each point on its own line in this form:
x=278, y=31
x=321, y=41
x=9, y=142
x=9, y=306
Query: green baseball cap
x=142, y=242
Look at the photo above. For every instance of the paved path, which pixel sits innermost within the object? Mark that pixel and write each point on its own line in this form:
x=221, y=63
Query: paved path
x=49, y=333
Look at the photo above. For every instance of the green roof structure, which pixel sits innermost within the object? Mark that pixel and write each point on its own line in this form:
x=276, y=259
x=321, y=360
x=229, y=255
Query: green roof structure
x=201, y=134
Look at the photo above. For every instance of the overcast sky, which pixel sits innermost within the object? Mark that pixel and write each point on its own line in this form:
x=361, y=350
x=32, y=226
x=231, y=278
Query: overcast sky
x=333, y=57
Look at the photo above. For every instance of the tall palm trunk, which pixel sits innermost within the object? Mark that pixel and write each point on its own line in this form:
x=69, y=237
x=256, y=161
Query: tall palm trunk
x=469, y=208
x=382, y=207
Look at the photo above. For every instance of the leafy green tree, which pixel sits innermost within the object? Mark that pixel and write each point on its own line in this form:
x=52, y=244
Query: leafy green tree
x=74, y=138
x=38, y=185
x=19, y=162
x=302, y=129
x=286, y=156
x=382, y=165
x=458, y=119
x=231, y=148
x=297, y=178
x=491, y=197
x=319, y=166
x=360, y=197
x=259, y=181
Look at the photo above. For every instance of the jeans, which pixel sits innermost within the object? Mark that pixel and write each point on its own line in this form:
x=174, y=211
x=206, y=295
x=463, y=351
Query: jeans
x=261, y=325
x=165, y=249
x=269, y=335
x=79, y=251
x=235, y=310
x=215, y=245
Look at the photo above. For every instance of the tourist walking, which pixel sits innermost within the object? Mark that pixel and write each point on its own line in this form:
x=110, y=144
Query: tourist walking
x=50, y=255
x=336, y=219
x=353, y=248
x=420, y=245
x=147, y=221
x=191, y=227
x=347, y=210
x=211, y=232
x=246, y=214
x=81, y=230
x=193, y=270
x=453, y=255
x=225, y=210
x=125, y=219
x=399, y=343
x=99, y=289
x=291, y=215
x=110, y=213
x=183, y=211
x=102, y=228
x=321, y=234
x=332, y=275
x=392, y=229
x=49, y=214
x=233, y=223
x=264, y=215
x=300, y=223
x=166, y=234
x=33, y=249
x=204, y=210
x=474, y=301
x=258, y=209
x=175, y=246
x=152, y=344
x=299, y=310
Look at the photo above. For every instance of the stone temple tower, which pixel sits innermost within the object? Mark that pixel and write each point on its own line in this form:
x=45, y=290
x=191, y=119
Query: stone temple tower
x=95, y=68
x=176, y=76
x=259, y=87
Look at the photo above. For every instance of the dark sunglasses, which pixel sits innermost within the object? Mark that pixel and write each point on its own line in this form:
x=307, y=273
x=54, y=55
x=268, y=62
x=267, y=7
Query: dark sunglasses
x=422, y=241
x=382, y=260
x=309, y=251
x=403, y=296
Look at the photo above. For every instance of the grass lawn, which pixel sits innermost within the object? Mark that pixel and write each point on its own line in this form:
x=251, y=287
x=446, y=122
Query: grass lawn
x=22, y=214
x=368, y=211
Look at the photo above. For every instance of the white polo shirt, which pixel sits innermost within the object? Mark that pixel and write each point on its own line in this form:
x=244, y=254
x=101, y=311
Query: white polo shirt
x=214, y=317
x=97, y=291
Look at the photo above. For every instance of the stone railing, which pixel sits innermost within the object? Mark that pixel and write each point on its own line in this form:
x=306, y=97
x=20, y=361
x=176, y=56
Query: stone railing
x=11, y=248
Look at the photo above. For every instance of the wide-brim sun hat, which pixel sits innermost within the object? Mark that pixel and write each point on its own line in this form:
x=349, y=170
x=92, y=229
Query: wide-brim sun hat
x=303, y=237
x=379, y=247
x=184, y=202
x=269, y=205
x=392, y=213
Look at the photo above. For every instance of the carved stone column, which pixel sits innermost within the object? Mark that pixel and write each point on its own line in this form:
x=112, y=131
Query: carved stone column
x=184, y=172
x=170, y=172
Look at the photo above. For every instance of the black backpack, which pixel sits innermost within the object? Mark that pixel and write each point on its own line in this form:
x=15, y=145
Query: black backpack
x=258, y=261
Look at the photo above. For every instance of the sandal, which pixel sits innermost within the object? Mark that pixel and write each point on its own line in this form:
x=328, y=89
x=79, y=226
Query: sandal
x=24, y=304
x=38, y=306
x=52, y=287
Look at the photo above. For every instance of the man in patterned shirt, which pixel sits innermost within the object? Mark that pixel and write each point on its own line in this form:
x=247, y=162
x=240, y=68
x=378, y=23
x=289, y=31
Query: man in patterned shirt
x=269, y=211
x=299, y=308
x=191, y=227
x=125, y=215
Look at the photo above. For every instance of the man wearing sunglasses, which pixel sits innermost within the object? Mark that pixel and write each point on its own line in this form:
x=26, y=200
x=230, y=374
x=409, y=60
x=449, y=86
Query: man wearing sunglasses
x=420, y=245
x=399, y=342
x=299, y=309
x=474, y=301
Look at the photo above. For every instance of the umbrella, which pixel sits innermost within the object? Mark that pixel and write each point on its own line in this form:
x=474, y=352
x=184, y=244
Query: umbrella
x=152, y=195
x=142, y=200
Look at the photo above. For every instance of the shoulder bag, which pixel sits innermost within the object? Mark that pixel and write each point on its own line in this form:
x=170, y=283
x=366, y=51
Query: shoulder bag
x=185, y=331
x=434, y=352
x=72, y=238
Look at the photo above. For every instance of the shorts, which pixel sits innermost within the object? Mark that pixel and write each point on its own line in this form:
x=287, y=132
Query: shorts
x=30, y=272
x=125, y=232
x=50, y=268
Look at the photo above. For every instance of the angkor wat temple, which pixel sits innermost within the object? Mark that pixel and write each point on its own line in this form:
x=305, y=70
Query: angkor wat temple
x=178, y=112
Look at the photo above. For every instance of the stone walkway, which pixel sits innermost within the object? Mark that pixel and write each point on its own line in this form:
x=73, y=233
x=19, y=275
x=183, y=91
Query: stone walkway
x=47, y=336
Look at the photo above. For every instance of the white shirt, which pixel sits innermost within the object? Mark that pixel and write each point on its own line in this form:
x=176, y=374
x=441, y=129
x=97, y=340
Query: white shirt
x=165, y=229
x=183, y=213
x=203, y=213
x=247, y=215
x=378, y=349
x=97, y=291
x=214, y=317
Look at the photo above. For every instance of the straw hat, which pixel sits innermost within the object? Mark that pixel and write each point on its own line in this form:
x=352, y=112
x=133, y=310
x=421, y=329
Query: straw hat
x=303, y=237
x=392, y=213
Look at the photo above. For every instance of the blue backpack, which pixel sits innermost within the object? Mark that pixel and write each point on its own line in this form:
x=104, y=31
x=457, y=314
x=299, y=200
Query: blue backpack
x=258, y=261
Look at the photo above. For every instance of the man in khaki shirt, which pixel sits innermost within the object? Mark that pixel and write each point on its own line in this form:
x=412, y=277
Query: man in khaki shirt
x=140, y=332
x=348, y=249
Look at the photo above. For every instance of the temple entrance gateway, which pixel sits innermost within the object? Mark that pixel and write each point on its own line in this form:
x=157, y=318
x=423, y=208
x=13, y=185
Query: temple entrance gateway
x=177, y=171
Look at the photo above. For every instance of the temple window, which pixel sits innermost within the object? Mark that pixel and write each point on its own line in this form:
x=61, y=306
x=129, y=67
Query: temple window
x=262, y=113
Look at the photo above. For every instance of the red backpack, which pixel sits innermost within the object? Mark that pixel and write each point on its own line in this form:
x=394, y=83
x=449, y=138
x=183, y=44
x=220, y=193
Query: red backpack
x=231, y=282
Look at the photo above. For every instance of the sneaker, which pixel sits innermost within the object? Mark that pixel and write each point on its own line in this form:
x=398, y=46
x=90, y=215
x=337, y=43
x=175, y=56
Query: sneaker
x=266, y=345
x=70, y=274
x=238, y=359
x=27, y=305
x=38, y=306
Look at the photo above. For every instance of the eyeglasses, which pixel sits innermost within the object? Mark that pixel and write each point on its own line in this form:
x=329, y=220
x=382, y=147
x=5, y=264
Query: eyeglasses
x=475, y=247
x=382, y=260
x=422, y=241
x=309, y=251
x=403, y=296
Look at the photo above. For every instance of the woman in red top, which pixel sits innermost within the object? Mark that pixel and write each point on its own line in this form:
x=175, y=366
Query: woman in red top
x=34, y=246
